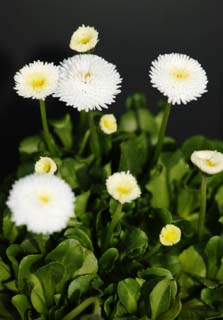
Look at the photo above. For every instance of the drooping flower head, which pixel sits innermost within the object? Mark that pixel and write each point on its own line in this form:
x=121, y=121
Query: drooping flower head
x=170, y=235
x=179, y=77
x=42, y=202
x=108, y=123
x=45, y=165
x=36, y=80
x=210, y=162
x=88, y=82
x=122, y=186
x=84, y=39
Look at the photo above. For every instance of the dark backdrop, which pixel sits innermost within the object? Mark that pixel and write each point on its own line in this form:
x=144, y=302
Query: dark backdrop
x=132, y=34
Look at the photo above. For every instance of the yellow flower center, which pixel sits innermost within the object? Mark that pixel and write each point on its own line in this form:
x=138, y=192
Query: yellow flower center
x=37, y=81
x=107, y=123
x=44, y=198
x=180, y=73
x=87, y=75
x=123, y=190
x=46, y=167
x=170, y=236
x=210, y=163
x=85, y=40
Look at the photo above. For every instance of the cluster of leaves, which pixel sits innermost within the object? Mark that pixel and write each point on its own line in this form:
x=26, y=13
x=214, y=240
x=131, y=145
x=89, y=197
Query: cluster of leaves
x=68, y=275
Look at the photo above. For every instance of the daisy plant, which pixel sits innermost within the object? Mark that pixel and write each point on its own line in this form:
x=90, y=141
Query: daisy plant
x=181, y=79
x=88, y=232
x=38, y=80
x=209, y=163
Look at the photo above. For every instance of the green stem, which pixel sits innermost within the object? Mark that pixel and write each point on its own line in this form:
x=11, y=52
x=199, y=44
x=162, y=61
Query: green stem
x=115, y=219
x=201, y=220
x=85, y=304
x=95, y=144
x=84, y=142
x=45, y=126
x=161, y=134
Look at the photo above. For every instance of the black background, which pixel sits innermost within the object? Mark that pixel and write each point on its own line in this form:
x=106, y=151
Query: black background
x=132, y=34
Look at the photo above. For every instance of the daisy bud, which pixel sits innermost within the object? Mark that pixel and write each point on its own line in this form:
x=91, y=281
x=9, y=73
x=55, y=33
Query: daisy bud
x=45, y=165
x=84, y=39
x=209, y=162
x=108, y=124
x=122, y=186
x=170, y=235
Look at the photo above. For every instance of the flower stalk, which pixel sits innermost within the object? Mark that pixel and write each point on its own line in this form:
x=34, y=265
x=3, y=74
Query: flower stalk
x=161, y=134
x=95, y=144
x=115, y=219
x=203, y=200
x=81, y=307
x=45, y=126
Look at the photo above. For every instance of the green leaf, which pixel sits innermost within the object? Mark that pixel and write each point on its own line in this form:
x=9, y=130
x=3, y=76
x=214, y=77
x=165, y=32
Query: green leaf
x=187, y=202
x=79, y=287
x=80, y=235
x=7, y=311
x=214, y=254
x=68, y=172
x=81, y=206
x=9, y=230
x=12, y=252
x=134, y=242
x=156, y=271
x=21, y=303
x=25, y=270
x=90, y=264
x=37, y=296
x=159, y=178
x=50, y=277
x=192, y=262
x=70, y=254
x=219, y=199
x=5, y=273
x=64, y=129
x=30, y=145
x=128, y=293
x=174, y=310
x=140, y=119
x=160, y=298
x=177, y=166
x=213, y=296
x=108, y=259
x=130, y=151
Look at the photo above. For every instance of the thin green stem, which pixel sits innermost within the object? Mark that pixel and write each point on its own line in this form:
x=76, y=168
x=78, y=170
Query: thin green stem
x=45, y=126
x=161, y=134
x=95, y=144
x=85, y=304
x=201, y=220
x=84, y=142
x=115, y=219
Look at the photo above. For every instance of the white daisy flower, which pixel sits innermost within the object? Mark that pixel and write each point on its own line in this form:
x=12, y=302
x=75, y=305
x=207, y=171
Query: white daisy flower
x=178, y=77
x=36, y=80
x=84, y=39
x=122, y=186
x=170, y=235
x=42, y=202
x=88, y=82
x=108, y=123
x=45, y=165
x=210, y=162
